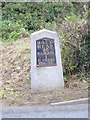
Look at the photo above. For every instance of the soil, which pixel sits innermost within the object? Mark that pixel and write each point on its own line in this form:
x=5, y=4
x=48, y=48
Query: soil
x=15, y=73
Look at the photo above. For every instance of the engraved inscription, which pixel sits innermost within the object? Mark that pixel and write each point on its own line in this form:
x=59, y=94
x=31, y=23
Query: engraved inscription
x=45, y=52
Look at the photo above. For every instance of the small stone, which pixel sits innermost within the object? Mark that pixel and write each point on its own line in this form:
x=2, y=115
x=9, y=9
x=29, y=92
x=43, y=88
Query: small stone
x=18, y=68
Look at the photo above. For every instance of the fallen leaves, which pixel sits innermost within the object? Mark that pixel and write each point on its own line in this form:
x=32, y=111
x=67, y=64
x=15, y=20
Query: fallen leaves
x=15, y=87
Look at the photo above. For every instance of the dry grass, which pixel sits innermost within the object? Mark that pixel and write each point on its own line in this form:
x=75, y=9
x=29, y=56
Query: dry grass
x=15, y=85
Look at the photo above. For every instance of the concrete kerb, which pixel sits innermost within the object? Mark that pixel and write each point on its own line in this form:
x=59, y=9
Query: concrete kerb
x=84, y=100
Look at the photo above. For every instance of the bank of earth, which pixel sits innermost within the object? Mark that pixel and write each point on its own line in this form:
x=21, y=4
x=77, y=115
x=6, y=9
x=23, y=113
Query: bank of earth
x=15, y=86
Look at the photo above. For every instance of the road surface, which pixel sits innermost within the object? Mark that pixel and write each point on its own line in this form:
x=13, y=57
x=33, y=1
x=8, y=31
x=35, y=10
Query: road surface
x=47, y=111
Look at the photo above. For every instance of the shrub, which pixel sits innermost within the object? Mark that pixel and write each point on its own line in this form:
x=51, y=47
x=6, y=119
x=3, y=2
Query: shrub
x=70, y=33
x=9, y=30
x=84, y=56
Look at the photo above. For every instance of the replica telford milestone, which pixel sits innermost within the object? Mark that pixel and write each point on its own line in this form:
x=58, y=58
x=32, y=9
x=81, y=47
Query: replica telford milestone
x=46, y=66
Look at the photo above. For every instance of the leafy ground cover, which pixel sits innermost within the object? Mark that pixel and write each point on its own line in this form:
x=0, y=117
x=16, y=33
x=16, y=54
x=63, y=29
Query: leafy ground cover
x=15, y=73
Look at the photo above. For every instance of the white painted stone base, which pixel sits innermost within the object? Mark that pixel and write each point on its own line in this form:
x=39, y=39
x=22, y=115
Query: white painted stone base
x=46, y=78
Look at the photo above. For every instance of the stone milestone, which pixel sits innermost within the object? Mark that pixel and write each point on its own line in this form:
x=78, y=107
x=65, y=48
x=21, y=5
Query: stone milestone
x=46, y=66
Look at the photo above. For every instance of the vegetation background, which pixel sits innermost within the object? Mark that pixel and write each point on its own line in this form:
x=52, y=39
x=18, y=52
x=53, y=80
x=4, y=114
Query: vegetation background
x=19, y=19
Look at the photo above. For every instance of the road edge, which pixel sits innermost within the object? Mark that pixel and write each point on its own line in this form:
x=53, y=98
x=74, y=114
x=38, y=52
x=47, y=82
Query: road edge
x=71, y=101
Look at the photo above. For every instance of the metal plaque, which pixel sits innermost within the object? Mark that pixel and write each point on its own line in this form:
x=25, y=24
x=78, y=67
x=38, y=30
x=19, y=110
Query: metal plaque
x=45, y=52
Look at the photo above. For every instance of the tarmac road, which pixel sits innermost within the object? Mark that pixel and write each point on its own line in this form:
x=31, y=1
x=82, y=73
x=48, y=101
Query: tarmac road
x=74, y=110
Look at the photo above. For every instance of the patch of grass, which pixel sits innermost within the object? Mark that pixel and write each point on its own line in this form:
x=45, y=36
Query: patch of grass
x=2, y=93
